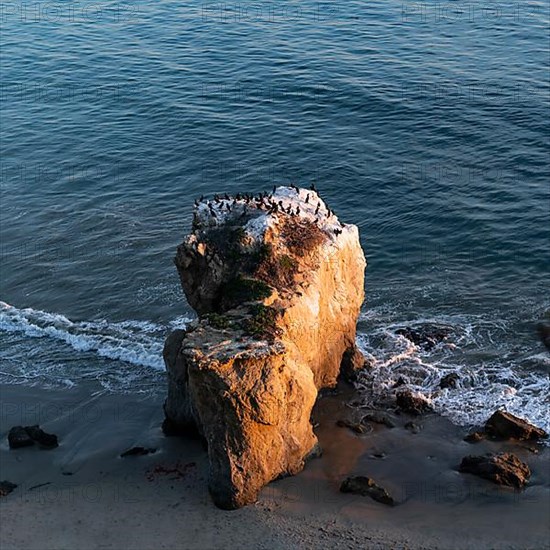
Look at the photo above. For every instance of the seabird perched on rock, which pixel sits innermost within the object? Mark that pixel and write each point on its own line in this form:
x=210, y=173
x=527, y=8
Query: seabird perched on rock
x=226, y=196
x=312, y=187
x=289, y=209
x=297, y=210
x=202, y=198
x=317, y=209
x=274, y=189
x=196, y=203
x=307, y=199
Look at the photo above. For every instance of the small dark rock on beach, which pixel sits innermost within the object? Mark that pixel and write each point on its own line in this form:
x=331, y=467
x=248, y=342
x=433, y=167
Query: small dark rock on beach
x=365, y=486
x=503, y=469
x=6, y=487
x=45, y=440
x=18, y=437
x=138, y=451
x=25, y=436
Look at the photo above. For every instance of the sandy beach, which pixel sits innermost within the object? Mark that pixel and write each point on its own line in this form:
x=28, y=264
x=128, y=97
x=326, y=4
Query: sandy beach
x=82, y=494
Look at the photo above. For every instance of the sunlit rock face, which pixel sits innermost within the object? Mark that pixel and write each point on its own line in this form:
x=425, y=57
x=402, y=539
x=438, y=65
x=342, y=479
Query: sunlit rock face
x=277, y=281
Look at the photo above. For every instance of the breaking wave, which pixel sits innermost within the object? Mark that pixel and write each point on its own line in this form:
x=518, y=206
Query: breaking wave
x=491, y=373
x=134, y=346
x=127, y=356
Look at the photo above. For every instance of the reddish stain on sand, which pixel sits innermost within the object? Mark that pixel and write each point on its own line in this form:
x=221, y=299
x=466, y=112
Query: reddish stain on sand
x=178, y=470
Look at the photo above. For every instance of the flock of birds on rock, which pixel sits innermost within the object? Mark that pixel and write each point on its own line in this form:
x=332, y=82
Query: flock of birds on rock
x=264, y=201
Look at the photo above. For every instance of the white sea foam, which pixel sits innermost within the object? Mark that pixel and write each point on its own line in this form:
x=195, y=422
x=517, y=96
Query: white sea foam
x=135, y=342
x=492, y=373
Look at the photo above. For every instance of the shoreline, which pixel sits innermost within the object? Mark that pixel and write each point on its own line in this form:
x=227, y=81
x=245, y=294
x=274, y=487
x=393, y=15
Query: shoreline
x=83, y=494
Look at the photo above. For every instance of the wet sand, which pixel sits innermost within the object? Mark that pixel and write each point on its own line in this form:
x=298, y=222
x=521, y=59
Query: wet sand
x=83, y=495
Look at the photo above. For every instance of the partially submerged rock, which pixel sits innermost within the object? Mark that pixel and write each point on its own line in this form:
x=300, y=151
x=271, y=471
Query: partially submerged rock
x=401, y=381
x=365, y=486
x=449, y=380
x=503, y=469
x=25, y=436
x=138, y=451
x=504, y=425
x=412, y=403
x=278, y=283
x=426, y=336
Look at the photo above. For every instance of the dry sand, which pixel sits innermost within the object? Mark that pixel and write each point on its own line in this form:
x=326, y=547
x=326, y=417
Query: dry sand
x=83, y=495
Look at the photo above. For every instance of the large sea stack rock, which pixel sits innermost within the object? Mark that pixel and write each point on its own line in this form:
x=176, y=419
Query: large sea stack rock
x=277, y=282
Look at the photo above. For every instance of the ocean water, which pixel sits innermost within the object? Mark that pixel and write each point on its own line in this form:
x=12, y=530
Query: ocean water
x=426, y=124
